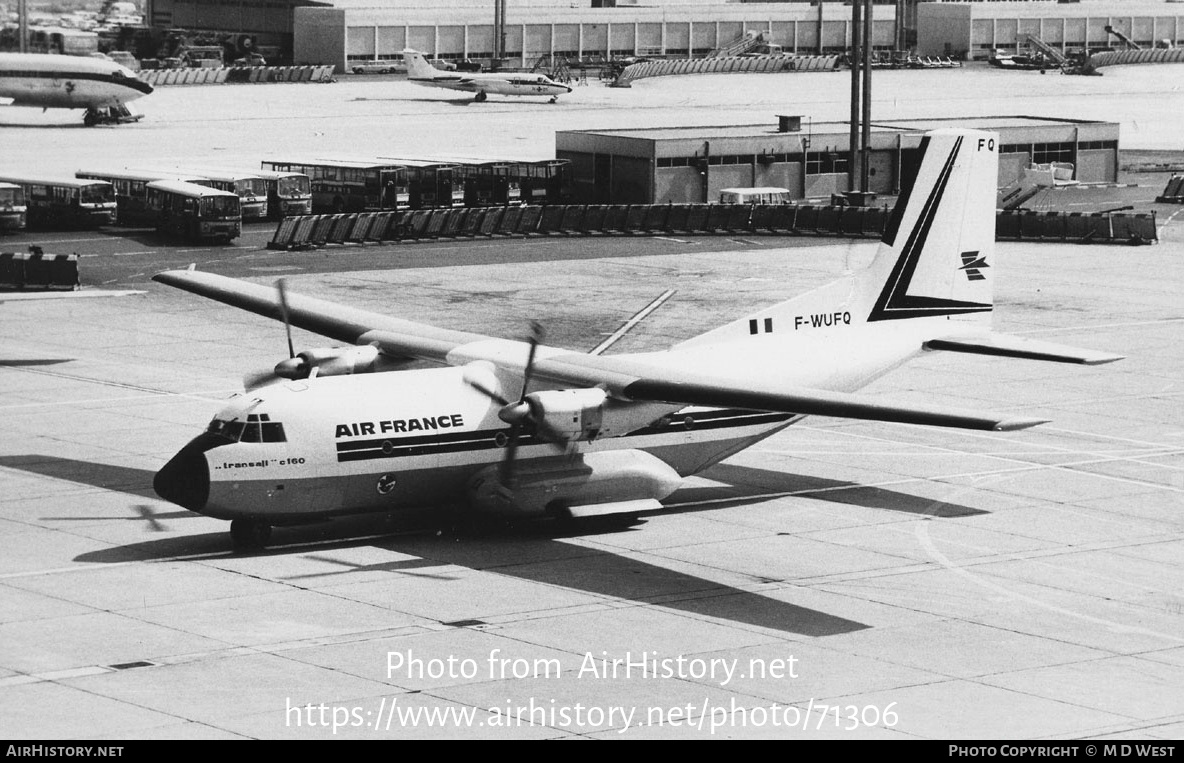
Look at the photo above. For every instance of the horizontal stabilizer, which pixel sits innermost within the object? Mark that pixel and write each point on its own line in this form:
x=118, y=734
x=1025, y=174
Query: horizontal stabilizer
x=615, y=507
x=1008, y=346
x=817, y=402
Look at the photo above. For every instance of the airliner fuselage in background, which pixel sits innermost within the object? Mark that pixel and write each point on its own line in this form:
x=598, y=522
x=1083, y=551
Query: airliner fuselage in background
x=48, y=81
x=420, y=72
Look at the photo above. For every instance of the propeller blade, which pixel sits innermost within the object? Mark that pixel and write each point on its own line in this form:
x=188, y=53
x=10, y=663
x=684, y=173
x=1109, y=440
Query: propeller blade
x=281, y=286
x=483, y=379
x=536, y=335
x=256, y=379
x=506, y=471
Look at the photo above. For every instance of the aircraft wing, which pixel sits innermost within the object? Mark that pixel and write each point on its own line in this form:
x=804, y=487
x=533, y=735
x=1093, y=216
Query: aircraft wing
x=621, y=376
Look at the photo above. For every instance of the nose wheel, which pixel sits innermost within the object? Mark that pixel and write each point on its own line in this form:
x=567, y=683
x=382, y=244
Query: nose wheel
x=481, y=96
x=249, y=534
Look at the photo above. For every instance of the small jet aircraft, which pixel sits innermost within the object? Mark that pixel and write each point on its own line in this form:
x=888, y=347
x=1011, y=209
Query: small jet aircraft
x=48, y=81
x=421, y=72
x=520, y=429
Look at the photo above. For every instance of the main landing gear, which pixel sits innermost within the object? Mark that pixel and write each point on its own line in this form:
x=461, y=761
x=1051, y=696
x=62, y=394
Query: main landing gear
x=110, y=115
x=554, y=99
x=249, y=534
x=481, y=96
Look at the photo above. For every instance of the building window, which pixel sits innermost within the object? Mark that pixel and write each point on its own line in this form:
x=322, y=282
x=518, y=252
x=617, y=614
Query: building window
x=826, y=162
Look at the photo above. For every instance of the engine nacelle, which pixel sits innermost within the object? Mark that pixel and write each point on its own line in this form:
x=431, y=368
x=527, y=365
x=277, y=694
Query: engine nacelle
x=551, y=486
x=331, y=361
x=577, y=414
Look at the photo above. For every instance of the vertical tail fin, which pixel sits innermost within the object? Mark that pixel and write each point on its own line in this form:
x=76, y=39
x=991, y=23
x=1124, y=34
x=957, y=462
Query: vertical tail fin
x=417, y=65
x=934, y=260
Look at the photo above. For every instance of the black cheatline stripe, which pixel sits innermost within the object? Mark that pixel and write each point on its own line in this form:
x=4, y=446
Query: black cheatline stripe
x=902, y=202
x=416, y=440
x=484, y=440
x=894, y=302
x=129, y=82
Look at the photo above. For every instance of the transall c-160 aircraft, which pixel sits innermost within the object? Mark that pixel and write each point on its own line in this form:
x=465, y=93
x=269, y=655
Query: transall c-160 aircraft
x=521, y=429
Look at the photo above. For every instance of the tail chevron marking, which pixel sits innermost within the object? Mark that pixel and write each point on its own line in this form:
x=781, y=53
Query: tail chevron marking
x=894, y=301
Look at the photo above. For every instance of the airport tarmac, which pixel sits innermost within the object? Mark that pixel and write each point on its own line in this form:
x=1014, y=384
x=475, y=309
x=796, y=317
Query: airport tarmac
x=839, y=580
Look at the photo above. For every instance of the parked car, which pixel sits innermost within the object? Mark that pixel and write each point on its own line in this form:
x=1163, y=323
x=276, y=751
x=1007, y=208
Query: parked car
x=372, y=67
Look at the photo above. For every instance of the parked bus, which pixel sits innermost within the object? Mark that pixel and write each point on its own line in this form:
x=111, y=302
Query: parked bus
x=65, y=202
x=759, y=195
x=288, y=193
x=340, y=185
x=12, y=206
x=429, y=183
x=545, y=181
x=131, y=190
x=487, y=182
x=194, y=212
x=248, y=186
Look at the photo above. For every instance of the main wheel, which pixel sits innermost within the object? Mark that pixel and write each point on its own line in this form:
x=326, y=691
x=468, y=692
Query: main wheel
x=481, y=96
x=249, y=534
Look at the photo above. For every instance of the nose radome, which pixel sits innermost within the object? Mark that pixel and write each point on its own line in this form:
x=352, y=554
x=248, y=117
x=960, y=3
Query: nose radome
x=185, y=480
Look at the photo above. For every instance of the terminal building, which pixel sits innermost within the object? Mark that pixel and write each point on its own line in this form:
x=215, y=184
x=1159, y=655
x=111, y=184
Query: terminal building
x=693, y=163
x=978, y=29
x=341, y=32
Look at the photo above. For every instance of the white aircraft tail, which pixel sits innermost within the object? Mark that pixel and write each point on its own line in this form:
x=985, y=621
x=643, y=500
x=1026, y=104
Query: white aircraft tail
x=933, y=264
x=418, y=66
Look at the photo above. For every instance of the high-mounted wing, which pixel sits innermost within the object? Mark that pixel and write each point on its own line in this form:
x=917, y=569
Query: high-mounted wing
x=622, y=377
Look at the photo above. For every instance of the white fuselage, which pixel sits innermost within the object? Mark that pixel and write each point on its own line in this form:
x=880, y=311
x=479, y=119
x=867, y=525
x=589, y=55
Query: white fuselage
x=67, y=82
x=401, y=440
x=495, y=84
x=407, y=439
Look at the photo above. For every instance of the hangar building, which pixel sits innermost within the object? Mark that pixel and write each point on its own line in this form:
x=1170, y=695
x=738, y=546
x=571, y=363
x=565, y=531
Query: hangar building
x=342, y=31
x=980, y=28
x=692, y=163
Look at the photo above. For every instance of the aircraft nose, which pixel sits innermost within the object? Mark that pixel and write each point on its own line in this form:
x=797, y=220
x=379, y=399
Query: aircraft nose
x=185, y=480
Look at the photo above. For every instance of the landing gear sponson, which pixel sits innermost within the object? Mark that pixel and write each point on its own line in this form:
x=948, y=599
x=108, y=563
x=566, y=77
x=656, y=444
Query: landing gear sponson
x=249, y=534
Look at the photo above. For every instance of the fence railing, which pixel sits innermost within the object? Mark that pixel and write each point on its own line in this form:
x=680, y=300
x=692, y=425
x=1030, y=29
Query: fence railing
x=210, y=76
x=684, y=219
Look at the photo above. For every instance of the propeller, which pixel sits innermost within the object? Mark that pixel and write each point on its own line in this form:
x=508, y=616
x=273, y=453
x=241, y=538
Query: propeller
x=293, y=367
x=518, y=414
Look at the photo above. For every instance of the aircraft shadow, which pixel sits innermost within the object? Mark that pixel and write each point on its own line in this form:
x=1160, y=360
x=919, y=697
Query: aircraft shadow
x=26, y=126
x=745, y=482
x=534, y=552
x=24, y=362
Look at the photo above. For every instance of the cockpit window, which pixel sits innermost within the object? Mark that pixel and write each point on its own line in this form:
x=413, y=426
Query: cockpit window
x=257, y=428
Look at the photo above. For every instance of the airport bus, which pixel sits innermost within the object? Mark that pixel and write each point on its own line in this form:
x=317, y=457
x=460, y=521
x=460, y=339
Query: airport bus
x=430, y=183
x=288, y=193
x=12, y=207
x=486, y=182
x=65, y=202
x=131, y=190
x=248, y=186
x=341, y=185
x=759, y=195
x=194, y=212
